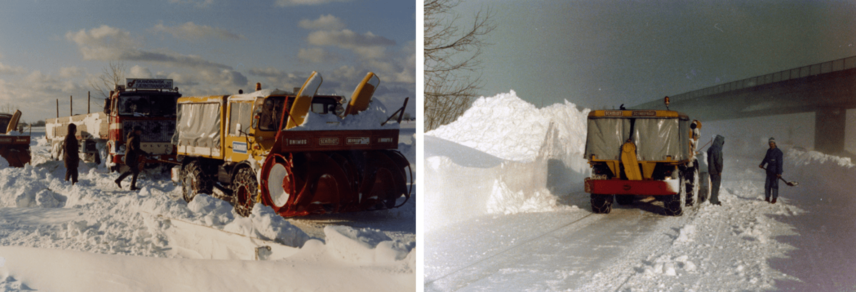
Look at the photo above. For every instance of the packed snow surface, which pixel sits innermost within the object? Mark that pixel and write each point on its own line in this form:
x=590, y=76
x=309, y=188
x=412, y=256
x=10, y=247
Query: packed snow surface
x=93, y=236
x=488, y=197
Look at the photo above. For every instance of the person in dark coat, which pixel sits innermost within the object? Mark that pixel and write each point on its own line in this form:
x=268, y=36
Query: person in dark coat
x=70, y=156
x=133, y=155
x=714, y=168
x=773, y=159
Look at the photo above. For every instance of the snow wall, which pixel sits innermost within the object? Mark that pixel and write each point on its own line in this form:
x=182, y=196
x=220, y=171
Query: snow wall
x=504, y=156
x=830, y=177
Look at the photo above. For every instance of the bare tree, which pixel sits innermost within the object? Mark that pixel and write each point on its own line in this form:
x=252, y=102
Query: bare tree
x=8, y=108
x=451, y=57
x=110, y=77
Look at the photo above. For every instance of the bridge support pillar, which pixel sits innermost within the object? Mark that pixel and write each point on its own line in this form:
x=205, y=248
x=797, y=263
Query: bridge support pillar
x=829, y=130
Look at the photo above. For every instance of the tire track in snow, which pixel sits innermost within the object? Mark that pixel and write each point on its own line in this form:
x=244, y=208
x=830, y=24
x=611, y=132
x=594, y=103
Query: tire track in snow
x=506, y=250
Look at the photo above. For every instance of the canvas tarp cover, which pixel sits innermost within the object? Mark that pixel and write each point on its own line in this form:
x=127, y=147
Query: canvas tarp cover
x=654, y=138
x=198, y=125
x=605, y=137
x=658, y=138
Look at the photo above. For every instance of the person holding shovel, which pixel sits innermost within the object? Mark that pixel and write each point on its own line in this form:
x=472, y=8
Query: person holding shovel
x=773, y=161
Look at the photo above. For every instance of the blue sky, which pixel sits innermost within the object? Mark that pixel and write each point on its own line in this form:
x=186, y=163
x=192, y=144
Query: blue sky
x=49, y=49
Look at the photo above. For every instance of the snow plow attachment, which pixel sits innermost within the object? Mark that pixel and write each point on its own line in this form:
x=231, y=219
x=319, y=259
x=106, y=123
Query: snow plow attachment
x=320, y=171
x=14, y=148
x=303, y=183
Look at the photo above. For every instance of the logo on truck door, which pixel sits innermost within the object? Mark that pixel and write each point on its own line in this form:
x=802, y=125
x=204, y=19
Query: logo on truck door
x=239, y=147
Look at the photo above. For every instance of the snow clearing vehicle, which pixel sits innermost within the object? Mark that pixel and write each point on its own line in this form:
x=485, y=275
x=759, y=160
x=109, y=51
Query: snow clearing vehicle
x=643, y=153
x=298, y=152
x=147, y=103
x=14, y=145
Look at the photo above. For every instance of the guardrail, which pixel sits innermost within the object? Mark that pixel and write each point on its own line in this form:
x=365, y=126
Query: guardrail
x=801, y=72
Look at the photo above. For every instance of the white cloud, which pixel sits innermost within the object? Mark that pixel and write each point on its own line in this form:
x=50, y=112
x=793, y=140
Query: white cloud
x=192, y=31
x=316, y=55
x=284, y=3
x=139, y=72
x=9, y=70
x=279, y=79
x=224, y=78
x=107, y=43
x=70, y=72
x=368, y=45
x=346, y=73
x=324, y=22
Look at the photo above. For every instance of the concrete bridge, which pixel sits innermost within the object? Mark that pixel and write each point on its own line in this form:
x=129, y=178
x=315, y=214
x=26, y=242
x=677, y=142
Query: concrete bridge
x=828, y=89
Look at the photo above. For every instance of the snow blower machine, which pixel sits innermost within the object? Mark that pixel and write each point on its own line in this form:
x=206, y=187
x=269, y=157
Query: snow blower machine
x=297, y=152
x=643, y=153
x=14, y=145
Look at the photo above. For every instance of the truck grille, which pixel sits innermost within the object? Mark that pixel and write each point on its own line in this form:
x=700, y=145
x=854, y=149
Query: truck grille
x=153, y=131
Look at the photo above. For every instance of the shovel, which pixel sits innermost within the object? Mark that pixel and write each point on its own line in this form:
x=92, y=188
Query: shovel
x=789, y=183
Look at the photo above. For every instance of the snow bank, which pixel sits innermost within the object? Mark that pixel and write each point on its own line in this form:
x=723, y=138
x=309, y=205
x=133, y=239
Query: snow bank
x=504, y=156
x=510, y=128
x=829, y=175
x=363, y=246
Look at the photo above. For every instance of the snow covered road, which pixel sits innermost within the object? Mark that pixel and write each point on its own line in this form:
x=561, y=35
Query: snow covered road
x=94, y=236
x=476, y=240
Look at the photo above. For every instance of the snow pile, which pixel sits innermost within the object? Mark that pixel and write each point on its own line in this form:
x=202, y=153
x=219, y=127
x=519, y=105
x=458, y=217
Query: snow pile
x=508, y=127
x=503, y=200
x=504, y=156
x=686, y=235
x=668, y=266
x=363, y=246
x=264, y=223
x=831, y=176
x=369, y=119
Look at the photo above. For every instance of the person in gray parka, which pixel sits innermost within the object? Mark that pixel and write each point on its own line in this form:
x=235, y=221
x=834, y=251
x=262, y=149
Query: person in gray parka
x=773, y=159
x=714, y=168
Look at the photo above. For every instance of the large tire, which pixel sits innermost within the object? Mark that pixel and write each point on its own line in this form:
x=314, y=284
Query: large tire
x=194, y=181
x=673, y=204
x=601, y=203
x=692, y=187
x=244, y=191
x=624, y=199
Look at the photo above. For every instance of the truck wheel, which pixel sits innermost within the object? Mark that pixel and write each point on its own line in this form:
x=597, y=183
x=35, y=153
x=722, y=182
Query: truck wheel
x=244, y=191
x=692, y=187
x=674, y=203
x=624, y=199
x=601, y=203
x=194, y=181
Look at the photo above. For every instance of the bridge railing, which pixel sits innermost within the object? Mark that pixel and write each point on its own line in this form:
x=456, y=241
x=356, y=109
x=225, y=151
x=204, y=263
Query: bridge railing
x=801, y=72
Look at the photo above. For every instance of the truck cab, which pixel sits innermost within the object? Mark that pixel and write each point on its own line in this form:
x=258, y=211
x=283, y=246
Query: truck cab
x=146, y=103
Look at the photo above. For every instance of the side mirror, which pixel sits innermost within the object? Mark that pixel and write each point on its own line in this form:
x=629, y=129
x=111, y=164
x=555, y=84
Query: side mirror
x=239, y=128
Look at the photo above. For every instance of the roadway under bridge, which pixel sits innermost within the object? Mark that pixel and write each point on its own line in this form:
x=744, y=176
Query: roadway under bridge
x=828, y=89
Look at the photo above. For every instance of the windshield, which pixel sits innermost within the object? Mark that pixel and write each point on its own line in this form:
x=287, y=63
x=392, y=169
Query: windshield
x=147, y=105
x=269, y=112
x=4, y=123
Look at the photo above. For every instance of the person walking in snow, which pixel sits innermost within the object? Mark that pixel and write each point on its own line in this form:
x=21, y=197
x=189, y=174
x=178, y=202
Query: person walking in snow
x=70, y=157
x=714, y=168
x=773, y=159
x=133, y=157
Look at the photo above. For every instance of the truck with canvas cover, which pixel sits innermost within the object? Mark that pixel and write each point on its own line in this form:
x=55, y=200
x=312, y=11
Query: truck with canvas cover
x=14, y=145
x=642, y=153
x=147, y=103
x=298, y=152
